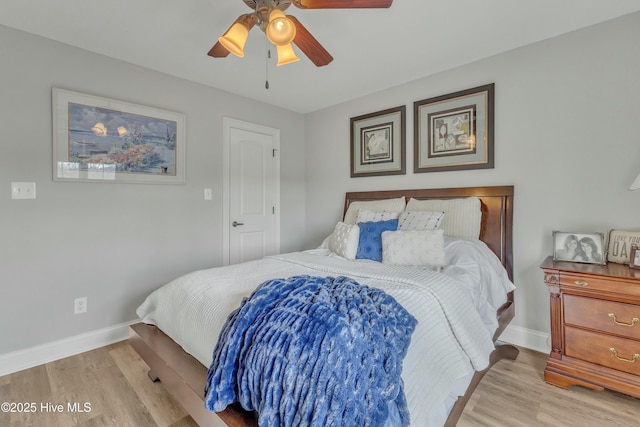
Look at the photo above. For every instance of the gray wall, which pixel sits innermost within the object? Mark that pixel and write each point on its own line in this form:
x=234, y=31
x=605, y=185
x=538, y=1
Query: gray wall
x=566, y=135
x=113, y=243
x=566, y=113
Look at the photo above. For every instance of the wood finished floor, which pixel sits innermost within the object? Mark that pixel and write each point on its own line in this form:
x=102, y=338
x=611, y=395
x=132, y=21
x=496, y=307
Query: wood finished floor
x=113, y=381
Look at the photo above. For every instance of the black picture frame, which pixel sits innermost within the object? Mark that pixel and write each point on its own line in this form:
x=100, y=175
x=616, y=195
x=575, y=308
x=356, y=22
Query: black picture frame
x=455, y=131
x=378, y=143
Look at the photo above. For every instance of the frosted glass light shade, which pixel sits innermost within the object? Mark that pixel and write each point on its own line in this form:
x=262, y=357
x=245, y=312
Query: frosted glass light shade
x=280, y=30
x=636, y=184
x=235, y=38
x=286, y=55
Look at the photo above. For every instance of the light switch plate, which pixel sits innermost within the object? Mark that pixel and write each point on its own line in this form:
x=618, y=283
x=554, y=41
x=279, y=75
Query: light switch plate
x=208, y=194
x=23, y=190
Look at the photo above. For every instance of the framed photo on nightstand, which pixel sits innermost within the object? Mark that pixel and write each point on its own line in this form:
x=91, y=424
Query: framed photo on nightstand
x=634, y=262
x=579, y=247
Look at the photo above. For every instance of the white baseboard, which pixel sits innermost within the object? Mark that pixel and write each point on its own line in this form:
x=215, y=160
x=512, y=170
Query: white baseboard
x=45, y=353
x=523, y=337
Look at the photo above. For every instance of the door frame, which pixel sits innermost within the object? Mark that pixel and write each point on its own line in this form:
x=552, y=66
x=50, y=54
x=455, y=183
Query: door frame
x=228, y=124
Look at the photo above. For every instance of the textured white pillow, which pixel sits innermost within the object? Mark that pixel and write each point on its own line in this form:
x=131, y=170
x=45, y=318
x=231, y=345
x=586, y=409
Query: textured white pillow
x=420, y=247
x=462, y=217
x=344, y=240
x=419, y=220
x=365, y=215
x=389, y=205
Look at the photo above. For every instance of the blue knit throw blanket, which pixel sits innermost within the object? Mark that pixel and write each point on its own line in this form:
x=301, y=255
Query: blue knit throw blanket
x=313, y=351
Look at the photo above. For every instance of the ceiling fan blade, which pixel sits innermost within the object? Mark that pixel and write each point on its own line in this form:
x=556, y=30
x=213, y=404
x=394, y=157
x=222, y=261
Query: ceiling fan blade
x=218, y=51
x=309, y=45
x=342, y=4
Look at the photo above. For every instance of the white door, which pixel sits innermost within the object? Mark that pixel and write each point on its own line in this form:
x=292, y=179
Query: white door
x=252, y=220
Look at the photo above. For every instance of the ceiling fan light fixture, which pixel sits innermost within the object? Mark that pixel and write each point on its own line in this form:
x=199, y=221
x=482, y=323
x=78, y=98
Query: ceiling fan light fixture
x=280, y=30
x=235, y=38
x=286, y=55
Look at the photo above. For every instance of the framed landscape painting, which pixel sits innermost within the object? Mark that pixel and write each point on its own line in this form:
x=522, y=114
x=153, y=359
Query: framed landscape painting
x=103, y=140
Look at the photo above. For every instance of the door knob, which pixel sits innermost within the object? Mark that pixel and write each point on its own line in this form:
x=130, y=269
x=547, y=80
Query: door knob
x=236, y=223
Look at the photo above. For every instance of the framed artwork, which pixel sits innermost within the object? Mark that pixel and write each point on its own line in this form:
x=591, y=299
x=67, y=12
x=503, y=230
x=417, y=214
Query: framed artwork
x=378, y=143
x=454, y=131
x=579, y=247
x=103, y=140
x=634, y=261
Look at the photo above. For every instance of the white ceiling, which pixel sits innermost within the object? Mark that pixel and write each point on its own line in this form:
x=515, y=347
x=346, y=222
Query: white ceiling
x=373, y=49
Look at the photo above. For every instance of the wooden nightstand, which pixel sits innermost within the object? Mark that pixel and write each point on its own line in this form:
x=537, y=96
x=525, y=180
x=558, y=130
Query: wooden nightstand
x=595, y=326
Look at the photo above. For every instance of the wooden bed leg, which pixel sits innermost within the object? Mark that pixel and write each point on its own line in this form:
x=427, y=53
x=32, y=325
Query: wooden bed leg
x=153, y=376
x=502, y=351
x=506, y=351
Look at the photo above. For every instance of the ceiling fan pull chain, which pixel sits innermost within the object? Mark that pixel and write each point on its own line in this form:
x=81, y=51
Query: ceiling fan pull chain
x=266, y=65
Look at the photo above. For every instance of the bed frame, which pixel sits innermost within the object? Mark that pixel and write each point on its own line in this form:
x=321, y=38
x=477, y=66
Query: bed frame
x=184, y=377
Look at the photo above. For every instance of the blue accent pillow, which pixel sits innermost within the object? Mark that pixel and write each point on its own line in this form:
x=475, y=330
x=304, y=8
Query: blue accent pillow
x=370, y=242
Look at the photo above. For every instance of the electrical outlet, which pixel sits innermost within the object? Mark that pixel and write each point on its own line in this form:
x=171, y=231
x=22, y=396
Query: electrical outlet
x=80, y=305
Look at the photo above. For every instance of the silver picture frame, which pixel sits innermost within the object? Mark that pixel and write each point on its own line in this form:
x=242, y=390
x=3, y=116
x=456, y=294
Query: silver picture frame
x=579, y=247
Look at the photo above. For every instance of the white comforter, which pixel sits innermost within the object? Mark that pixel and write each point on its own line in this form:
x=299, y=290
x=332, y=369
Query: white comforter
x=455, y=310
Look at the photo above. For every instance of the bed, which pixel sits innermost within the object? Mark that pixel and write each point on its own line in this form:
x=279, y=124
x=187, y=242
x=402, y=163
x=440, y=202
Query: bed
x=185, y=375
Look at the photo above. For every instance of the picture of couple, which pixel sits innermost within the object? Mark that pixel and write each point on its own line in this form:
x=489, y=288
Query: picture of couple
x=578, y=247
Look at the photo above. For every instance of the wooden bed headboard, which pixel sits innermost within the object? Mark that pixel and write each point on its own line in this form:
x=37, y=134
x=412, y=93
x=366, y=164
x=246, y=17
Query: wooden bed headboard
x=497, y=212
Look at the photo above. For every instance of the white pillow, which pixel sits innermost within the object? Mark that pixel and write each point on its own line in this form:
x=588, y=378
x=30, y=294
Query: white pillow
x=419, y=220
x=365, y=215
x=462, y=217
x=419, y=247
x=389, y=205
x=344, y=240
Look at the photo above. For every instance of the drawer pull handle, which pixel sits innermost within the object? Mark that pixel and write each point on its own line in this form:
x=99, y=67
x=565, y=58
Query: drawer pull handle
x=581, y=283
x=632, y=360
x=633, y=321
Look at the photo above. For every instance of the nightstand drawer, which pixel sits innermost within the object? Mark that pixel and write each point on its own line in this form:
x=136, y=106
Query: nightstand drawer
x=614, y=317
x=601, y=283
x=616, y=353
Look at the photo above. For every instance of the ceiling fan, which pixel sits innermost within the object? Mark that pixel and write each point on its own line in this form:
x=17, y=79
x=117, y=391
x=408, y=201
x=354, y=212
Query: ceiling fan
x=282, y=30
